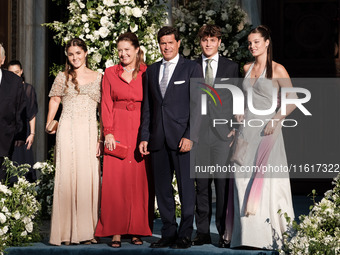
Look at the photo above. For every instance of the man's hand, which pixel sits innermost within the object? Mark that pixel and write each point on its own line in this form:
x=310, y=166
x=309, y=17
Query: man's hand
x=185, y=145
x=232, y=133
x=143, y=148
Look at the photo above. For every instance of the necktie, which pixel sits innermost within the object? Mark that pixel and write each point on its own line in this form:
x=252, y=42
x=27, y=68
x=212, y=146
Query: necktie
x=209, y=73
x=164, y=82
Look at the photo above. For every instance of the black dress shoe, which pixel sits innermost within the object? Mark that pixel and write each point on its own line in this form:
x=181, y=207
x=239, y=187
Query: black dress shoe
x=223, y=243
x=182, y=243
x=201, y=239
x=163, y=242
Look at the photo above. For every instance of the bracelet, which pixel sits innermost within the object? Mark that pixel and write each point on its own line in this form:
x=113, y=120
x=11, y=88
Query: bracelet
x=100, y=141
x=32, y=133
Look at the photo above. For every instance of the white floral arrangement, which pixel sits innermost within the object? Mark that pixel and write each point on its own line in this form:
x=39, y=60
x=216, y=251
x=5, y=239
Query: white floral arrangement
x=227, y=14
x=318, y=233
x=46, y=187
x=19, y=208
x=100, y=22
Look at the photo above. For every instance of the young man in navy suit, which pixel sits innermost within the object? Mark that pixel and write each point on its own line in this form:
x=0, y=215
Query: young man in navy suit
x=165, y=134
x=12, y=102
x=214, y=142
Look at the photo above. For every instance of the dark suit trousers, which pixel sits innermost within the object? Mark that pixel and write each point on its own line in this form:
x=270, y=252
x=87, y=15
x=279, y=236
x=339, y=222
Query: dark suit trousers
x=215, y=151
x=164, y=162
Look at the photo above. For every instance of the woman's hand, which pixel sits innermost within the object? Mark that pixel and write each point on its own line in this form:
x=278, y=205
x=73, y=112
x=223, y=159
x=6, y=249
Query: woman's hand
x=100, y=148
x=271, y=126
x=29, y=141
x=110, y=142
x=239, y=117
x=49, y=132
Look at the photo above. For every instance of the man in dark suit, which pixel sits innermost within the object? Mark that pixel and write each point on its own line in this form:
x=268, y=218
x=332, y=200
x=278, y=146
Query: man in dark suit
x=165, y=132
x=11, y=105
x=214, y=142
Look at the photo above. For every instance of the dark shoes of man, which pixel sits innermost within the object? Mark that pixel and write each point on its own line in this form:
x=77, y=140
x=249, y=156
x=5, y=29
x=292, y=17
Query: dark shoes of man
x=163, y=242
x=223, y=243
x=182, y=243
x=201, y=239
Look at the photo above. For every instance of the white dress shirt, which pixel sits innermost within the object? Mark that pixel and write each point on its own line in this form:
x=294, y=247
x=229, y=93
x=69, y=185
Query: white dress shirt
x=173, y=62
x=214, y=64
x=0, y=75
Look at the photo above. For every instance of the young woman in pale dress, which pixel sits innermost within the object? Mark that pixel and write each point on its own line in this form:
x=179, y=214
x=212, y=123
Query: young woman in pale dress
x=76, y=187
x=255, y=198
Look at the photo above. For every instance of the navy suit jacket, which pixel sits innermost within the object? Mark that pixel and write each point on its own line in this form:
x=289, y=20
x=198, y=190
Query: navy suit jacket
x=225, y=69
x=167, y=120
x=12, y=103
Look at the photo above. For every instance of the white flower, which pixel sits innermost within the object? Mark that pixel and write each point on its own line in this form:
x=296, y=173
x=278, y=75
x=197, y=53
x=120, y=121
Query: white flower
x=210, y=13
x=97, y=57
x=122, y=2
x=103, y=32
x=2, y=218
x=104, y=21
x=137, y=12
x=5, y=209
x=108, y=2
x=106, y=43
x=186, y=51
x=109, y=63
x=87, y=30
x=133, y=29
x=39, y=165
x=26, y=220
x=29, y=227
x=5, y=229
x=24, y=233
x=128, y=11
x=84, y=18
x=16, y=215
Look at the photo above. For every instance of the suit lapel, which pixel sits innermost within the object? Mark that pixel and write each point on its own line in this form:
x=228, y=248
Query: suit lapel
x=220, y=68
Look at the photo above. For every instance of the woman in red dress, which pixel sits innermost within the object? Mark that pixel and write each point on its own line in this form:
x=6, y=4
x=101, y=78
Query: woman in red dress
x=125, y=194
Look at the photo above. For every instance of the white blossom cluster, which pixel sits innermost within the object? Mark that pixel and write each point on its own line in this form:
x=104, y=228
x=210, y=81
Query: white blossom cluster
x=46, y=186
x=224, y=13
x=99, y=23
x=19, y=209
x=318, y=233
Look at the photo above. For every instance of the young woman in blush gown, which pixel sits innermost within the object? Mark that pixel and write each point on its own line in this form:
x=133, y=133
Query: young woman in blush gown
x=76, y=186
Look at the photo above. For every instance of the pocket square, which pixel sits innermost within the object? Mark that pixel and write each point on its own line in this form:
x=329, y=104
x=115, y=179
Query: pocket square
x=178, y=82
x=224, y=79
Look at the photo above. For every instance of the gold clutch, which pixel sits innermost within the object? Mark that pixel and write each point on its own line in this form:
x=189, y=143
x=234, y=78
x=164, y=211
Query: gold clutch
x=52, y=126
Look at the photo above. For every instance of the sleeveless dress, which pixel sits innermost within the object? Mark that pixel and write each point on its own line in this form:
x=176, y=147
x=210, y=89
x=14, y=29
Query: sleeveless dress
x=256, y=221
x=76, y=186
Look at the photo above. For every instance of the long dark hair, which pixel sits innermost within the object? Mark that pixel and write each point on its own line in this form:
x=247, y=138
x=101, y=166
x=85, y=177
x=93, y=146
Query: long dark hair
x=132, y=38
x=69, y=69
x=264, y=31
x=15, y=62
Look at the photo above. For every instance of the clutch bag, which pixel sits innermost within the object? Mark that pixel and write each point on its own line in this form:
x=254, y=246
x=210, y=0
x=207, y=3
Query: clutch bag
x=240, y=150
x=120, y=151
x=53, y=126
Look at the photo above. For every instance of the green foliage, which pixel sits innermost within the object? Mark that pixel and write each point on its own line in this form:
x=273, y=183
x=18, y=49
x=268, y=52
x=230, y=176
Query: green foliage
x=19, y=209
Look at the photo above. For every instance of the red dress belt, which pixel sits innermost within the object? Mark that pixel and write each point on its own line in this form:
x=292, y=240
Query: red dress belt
x=127, y=105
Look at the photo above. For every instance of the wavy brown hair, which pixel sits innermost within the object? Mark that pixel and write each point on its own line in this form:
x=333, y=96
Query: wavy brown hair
x=264, y=31
x=69, y=69
x=132, y=38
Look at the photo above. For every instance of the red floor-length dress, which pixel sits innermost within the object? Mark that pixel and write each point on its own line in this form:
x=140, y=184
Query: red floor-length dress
x=125, y=194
